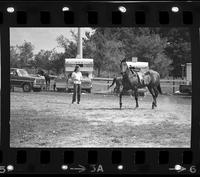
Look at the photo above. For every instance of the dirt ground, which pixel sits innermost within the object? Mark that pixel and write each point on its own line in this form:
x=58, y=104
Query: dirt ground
x=48, y=119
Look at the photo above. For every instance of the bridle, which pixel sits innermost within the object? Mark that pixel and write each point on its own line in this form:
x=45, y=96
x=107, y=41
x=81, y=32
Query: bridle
x=123, y=73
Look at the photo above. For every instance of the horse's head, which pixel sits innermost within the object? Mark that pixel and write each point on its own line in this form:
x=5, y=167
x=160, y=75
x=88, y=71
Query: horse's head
x=123, y=66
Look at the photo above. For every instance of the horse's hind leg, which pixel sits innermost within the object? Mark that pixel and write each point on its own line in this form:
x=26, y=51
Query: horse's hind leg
x=154, y=102
x=120, y=96
x=120, y=100
x=136, y=98
x=156, y=95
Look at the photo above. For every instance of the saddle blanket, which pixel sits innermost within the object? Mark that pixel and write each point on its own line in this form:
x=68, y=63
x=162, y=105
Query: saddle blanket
x=140, y=76
x=144, y=79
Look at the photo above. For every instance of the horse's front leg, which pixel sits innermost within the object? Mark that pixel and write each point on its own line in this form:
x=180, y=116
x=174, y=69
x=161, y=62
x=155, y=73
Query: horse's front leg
x=156, y=95
x=120, y=100
x=120, y=96
x=151, y=91
x=136, y=97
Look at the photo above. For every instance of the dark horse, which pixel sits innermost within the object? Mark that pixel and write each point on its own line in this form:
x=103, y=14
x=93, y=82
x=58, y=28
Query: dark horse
x=132, y=81
x=47, y=78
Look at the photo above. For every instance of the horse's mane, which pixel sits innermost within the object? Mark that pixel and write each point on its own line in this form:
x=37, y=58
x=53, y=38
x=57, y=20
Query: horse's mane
x=150, y=71
x=147, y=72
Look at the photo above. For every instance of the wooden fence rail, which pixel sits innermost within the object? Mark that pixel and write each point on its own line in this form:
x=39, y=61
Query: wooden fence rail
x=162, y=80
x=165, y=83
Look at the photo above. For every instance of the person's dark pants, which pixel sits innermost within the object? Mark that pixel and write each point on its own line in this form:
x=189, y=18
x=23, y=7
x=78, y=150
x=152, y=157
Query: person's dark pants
x=54, y=87
x=77, y=91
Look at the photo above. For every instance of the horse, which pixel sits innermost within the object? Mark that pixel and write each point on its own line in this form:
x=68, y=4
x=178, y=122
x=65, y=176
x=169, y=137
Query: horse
x=47, y=78
x=132, y=81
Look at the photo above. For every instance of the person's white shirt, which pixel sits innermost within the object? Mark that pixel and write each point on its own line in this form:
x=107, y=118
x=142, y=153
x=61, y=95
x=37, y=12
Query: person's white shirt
x=77, y=77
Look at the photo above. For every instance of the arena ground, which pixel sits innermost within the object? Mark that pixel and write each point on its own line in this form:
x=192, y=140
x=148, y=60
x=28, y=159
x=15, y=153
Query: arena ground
x=48, y=119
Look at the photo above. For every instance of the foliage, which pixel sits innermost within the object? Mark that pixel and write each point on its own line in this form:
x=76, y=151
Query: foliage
x=178, y=48
x=58, y=62
x=164, y=48
x=14, y=57
x=110, y=45
x=42, y=59
x=20, y=55
x=151, y=49
x=70, y=47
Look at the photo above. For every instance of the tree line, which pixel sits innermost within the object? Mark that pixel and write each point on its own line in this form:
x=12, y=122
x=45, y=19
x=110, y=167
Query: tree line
x=166, y=49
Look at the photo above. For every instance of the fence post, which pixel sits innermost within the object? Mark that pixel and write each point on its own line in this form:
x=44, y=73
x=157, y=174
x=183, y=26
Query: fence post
x=107, y=84
x=173, y=86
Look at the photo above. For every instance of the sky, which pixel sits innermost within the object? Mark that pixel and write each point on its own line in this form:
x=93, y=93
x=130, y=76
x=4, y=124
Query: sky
x=42, y=38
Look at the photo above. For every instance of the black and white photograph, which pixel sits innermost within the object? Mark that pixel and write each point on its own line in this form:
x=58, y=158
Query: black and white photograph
x=80, y=87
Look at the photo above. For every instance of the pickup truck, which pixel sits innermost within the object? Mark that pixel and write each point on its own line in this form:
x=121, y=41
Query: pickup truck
x=21, y=78
x=186, y=89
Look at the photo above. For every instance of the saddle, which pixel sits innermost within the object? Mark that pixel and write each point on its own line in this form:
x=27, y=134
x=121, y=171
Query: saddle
x=144, y=78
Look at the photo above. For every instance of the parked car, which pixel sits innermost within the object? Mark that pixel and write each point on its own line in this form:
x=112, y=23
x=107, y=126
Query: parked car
x=86, y=83
x=21, y=78
x=61, y=83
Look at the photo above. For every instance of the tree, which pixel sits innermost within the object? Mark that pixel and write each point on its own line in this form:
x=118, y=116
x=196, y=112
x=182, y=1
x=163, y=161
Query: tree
x=113, y=55
x=58, y=62
x=105, y=51
x=178, y=48
x=14, y=57
x=42, y=59
x=151, y=49
x=96, y=45
x=25, y=53
x=70, y=47
x=109, y=45
x=21, y=55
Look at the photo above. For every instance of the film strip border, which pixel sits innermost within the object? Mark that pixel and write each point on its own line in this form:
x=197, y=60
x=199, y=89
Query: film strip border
x=99, y=14
x=74, y=14
x=99, y=161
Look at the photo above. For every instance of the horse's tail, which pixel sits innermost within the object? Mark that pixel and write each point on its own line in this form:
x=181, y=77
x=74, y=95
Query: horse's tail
x=159, y=88
x=114, y=80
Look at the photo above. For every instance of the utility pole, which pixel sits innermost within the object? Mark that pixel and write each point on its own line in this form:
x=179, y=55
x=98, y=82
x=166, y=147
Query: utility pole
x=79, y=47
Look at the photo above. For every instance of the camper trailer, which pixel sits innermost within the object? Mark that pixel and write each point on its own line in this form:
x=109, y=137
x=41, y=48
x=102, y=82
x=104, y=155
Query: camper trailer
x=65, y=82
x=86, y=66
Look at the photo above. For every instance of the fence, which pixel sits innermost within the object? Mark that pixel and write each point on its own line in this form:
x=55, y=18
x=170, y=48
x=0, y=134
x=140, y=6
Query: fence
x=167, y=86
x=101, y=85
